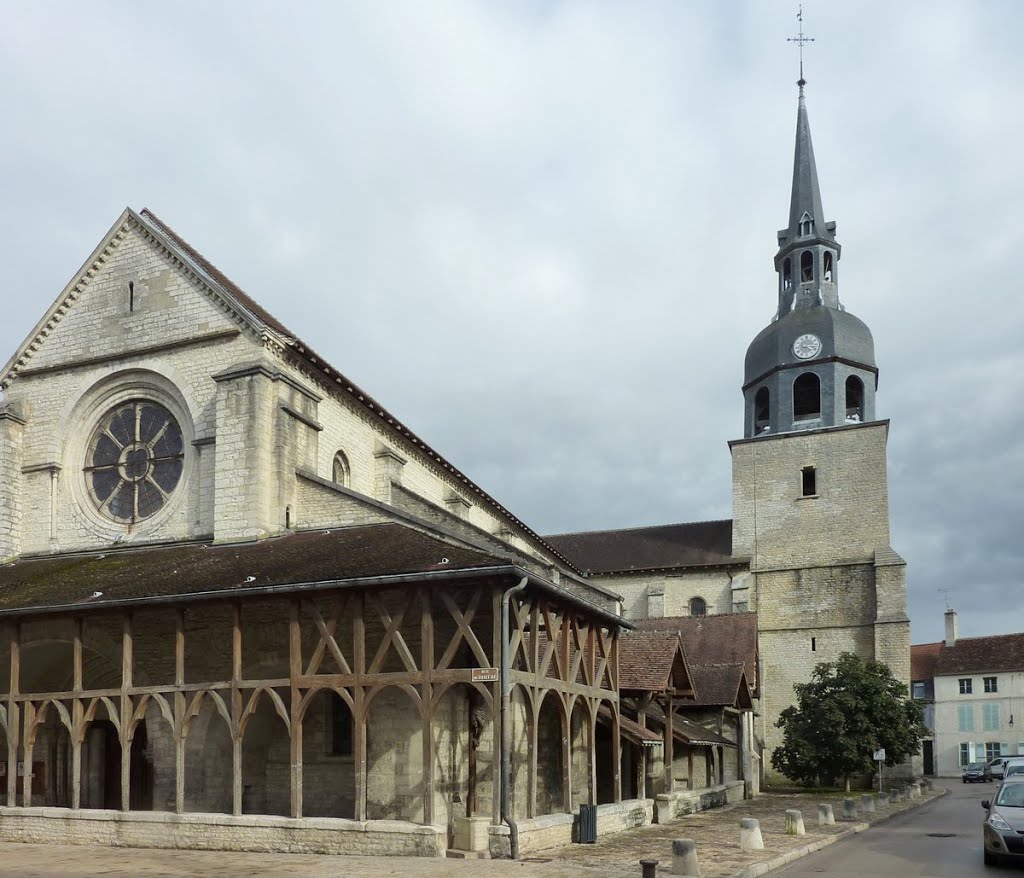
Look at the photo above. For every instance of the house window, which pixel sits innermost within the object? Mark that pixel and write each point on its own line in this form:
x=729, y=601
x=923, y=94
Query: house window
x=134, y=461
x=990, y=684
x=698, y=607
x=965, y=686
x=990, y=717
x=917, y=690
x=806, y=397
x=341, y=473
x=340, y=730
x=808, y=482
x=994, y=749
x=966, y=753
x=806, y=267
x=965, y=717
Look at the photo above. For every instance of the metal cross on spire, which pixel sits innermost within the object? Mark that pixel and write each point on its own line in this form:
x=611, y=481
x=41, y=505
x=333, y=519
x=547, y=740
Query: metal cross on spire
x=801, y=41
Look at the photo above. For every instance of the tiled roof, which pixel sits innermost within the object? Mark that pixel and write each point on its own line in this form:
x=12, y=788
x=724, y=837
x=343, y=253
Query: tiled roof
x=330, y=375
x=721, y=639
x=693, y=544
x=999, y=652
x=628, y=728
x=195, y=568
x=687, y=731
x=720, y=686
x=647, y=660
x=922, y=660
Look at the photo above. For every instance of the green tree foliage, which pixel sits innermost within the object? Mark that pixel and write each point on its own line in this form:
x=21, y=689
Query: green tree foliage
x=849, y=709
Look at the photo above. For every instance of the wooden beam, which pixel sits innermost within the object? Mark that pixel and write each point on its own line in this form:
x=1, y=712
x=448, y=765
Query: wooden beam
x=26, y=780
x=427, y=695
x=566, y=753
x=295, y=739
x=670, y=783
x=359, y=698
x=497, y=639
x=236, y=709
x=616, y=755
x=76, y=716
x=126, y=711
x=179, y=711
x=13, y=726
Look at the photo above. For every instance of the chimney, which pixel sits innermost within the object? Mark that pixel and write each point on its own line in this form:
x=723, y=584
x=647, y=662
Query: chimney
x=951, y=628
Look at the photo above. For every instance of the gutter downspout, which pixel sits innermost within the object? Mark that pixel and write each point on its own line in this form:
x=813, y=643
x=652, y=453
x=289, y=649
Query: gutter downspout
x=506, y=726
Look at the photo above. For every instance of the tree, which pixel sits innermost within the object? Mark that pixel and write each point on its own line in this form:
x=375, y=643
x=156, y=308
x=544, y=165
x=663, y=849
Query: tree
x=849, y=709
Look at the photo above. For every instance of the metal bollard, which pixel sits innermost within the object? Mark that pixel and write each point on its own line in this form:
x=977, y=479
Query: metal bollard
x=867, y=803
x=826, y=817
x=849, y=808
x=647, y=868
x=684, y=858
x=750, y=835
x=795, y=822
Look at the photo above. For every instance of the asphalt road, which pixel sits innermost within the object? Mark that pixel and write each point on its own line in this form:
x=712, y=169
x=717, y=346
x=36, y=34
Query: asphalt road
x=905, y=846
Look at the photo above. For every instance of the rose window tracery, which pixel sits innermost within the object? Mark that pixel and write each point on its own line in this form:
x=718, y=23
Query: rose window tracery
x=134, y=461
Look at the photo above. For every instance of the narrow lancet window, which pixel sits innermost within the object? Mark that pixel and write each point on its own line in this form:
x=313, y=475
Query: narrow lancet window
x=854, y=399
x=808, y=482
x=806, y=397
x=806, y=267
x=341, y=472
x=827, y=269
x=762, y=412
x=787, y=274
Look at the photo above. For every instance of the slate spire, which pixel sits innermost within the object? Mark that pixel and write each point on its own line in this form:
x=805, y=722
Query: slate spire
x=805, y=200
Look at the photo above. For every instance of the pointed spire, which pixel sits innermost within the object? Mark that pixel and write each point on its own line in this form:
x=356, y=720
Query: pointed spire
x=805, y=201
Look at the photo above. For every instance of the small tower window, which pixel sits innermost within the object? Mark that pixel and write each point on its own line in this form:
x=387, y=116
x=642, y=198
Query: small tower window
x=341, y=472
x=854, y=399
x=787, y=274
x=698, y=607
x=806, y=397
x=806, y=267
x=806, y=225
x=762, y=411
x=827, y=269
x=808, y=482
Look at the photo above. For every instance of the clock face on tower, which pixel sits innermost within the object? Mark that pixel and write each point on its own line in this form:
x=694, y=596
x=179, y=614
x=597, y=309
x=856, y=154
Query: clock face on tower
x=807, y=346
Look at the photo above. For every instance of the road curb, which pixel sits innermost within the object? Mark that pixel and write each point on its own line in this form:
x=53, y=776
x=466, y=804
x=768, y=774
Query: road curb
x=754, y=870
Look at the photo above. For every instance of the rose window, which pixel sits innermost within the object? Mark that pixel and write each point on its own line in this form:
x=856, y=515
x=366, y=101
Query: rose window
x=134, y=461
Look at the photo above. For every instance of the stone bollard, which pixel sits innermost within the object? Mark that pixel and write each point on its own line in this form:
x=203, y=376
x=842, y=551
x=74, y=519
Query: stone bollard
x=928, y=784
x=825, y=815
x=915, y=790
x=684, y=857
x=849, y=809
x=867, y=803
x=883, y=800
x=795, y=822
x=750, y=835
x=897, y=795
x=647, y=868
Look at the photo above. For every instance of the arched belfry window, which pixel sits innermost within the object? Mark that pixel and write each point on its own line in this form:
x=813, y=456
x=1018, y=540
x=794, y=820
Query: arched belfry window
x=698, y=607
x=806, y=267
x=806, y=397
x=787, y=273
x=854, y=399
x=762, y=411
x=826, y=271
x=341, y=473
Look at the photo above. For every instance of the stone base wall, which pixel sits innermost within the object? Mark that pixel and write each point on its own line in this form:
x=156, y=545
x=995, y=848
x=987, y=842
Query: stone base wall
x=552, y=830
x=222, y=832
x=671, y=806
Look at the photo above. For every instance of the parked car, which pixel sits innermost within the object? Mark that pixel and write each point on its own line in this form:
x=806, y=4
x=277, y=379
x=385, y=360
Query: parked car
x=1013, y=769
x=996, y=767
x=1003, y=829
x=976, y=771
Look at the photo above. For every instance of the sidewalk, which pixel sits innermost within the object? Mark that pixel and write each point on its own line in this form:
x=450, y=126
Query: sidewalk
x=716, y=833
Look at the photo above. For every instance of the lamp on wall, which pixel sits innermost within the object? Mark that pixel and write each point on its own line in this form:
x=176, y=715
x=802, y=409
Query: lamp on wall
x=1011, y=720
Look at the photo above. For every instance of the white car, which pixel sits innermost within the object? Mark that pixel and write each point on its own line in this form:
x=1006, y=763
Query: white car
x=996, y=767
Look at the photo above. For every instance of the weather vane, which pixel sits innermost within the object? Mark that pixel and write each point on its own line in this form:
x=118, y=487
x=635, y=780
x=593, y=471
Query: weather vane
x=801, y=41
x=945, y=592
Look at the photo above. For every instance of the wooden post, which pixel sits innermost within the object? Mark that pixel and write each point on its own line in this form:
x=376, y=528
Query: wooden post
x=616, y=754
x=179, y=711
x=26, y=780
x=13, y=726
x=76, y=718
x=427, y=696
x=126, y=711
x=709, y=765
x=689, y=767
x=721, y=765
x=566, y=754
x=359, y=699
x=670, y=782
x=592, y=751
x=641, y=718
x=236, y=709
x=294, y=672
x=497, y=646
x=531, y=782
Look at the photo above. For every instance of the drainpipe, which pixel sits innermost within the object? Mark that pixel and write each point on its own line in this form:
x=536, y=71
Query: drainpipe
x=506, y=726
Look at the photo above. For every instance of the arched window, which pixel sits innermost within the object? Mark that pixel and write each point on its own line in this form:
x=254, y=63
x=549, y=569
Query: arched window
x=826, y=272
x=341, y=472
x=806, y=397
x=806, y=224
x=698, y=607
x=762, y=412
x=854, y=399
x=806, y=267
x=787, y=274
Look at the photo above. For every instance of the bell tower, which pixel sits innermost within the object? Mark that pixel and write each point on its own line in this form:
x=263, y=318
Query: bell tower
x=810, y=491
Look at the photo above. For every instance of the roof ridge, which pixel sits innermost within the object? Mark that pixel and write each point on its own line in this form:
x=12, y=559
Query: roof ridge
x=581, y=533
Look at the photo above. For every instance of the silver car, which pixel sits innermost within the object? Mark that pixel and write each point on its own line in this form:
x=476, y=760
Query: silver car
x=1003, y=829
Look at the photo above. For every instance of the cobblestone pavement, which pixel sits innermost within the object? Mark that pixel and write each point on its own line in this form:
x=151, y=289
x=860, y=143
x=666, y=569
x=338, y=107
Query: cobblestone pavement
x=716, y=833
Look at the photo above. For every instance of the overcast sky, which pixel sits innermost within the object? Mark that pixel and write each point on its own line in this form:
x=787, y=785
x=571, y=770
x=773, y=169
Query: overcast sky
x=542, y=232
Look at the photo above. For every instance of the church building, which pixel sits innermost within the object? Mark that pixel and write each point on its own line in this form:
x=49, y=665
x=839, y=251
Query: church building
x=245, y=607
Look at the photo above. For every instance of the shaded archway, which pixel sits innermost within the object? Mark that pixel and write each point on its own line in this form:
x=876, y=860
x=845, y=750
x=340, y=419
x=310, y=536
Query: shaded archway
x=581, y=755
x=394, y=755
x=208, y=749
x=551, y=767
x=266, y=755
x=328, y=767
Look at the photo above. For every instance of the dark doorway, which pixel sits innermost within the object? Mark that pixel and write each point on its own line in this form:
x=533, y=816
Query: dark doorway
x=111, y=766
x=929, y=758
x=140, y=779
x=603, y=754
